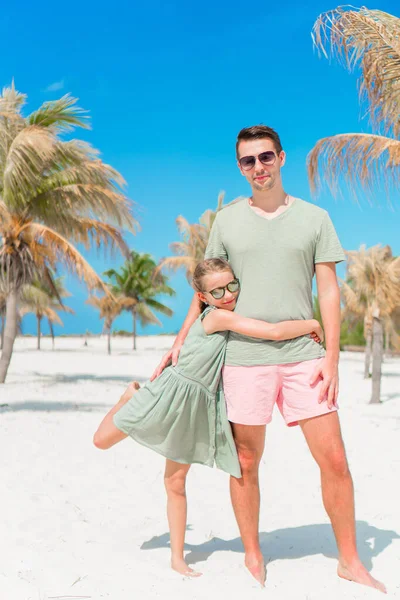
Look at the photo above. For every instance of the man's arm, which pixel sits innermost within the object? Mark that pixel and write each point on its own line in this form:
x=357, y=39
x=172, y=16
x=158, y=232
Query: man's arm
x=329, y=301
x=172, y=355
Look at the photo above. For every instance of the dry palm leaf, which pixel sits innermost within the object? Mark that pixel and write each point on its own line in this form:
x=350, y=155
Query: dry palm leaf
x=369, y=39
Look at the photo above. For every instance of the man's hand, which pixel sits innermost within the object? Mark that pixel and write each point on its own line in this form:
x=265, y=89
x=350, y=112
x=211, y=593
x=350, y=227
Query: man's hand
x=327, y=370
x=171, y=357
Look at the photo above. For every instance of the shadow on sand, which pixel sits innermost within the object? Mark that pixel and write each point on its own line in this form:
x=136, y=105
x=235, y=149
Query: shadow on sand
x=289, y=543
x=37, y=405
x=55, y=378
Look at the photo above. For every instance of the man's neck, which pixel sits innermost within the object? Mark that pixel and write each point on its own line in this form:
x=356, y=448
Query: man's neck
x=270, y=200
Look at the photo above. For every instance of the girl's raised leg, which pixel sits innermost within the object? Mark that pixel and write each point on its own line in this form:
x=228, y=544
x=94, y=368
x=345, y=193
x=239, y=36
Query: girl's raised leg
x=175, y=485
x=107, y=434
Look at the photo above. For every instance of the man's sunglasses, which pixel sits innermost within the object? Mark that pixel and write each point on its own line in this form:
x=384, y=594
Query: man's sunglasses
x=219, y=292
x=249, y=162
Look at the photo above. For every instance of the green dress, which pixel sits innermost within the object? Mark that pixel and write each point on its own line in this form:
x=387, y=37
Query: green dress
x=182, y=413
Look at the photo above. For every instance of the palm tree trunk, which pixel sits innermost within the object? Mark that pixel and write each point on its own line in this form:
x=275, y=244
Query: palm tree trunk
x=107, y=327
x=387, y=340
x=368, y=348
x=134, y=328
x=39, y=319
x=2, y=333
x=377, y=355
x=51, y=332
x=10, y=332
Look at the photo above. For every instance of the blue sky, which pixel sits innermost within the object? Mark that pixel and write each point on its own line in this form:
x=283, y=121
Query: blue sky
x=168, y=86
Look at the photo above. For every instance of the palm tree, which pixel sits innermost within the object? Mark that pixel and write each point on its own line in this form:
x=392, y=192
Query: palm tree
x=53, y=193
x=392, y=338
x=44, y=301
x=3, y=299
x=141, y=281
x=191, y=248
x=368, y=39
x=374, y=293
x=110, y=308
x=358, y=306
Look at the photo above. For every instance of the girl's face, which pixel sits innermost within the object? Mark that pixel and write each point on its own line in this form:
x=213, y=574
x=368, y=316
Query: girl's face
x=216, y=283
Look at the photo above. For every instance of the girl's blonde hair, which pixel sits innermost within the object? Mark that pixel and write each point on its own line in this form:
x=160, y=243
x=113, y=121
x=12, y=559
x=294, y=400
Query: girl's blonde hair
x=205, y=267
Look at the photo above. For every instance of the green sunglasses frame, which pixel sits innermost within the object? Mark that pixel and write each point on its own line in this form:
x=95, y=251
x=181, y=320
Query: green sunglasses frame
x=234, y=281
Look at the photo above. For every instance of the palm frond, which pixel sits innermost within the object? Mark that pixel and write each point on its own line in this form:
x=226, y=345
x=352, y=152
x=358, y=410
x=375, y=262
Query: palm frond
x=374, y=276
x=352, y=303
x=369, y=39
x=30, y=152
x=11, y=101
x=363, y=159
x=110, y=306
x=175, y=263
x=4, y=214
x=146, y=315
x=33, y=298
x=60, y=249
x=60, y=115
x=52, y=316
x=91, y=232
x=164, y=310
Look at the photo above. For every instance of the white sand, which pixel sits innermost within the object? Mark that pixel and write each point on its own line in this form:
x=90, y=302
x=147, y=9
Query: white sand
x=81, y=523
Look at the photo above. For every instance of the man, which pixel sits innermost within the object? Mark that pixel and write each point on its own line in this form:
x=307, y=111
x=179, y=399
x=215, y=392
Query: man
x=275, y=243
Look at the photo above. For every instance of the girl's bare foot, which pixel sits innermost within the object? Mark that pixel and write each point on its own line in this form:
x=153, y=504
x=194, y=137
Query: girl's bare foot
x=130, y=390
x=359, y=574
x=179, y=565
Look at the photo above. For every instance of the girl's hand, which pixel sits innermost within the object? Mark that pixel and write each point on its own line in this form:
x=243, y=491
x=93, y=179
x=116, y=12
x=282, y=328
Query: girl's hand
x=318, y=333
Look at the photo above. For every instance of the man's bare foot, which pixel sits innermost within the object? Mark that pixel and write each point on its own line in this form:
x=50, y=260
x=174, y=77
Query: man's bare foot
x=359, y=574
x=179, y=565
x=256, y=567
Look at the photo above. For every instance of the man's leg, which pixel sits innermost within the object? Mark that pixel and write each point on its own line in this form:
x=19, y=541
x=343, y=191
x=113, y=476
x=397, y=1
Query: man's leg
x=325, y=441
x=245, y=494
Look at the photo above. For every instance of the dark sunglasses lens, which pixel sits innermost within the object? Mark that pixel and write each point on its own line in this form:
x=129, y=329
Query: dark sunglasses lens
x=217, y=293
x=267, y=158
x=247, y=162
x=233, y=286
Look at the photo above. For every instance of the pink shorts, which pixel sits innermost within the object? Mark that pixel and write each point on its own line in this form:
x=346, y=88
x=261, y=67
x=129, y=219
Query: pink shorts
x=251, y=393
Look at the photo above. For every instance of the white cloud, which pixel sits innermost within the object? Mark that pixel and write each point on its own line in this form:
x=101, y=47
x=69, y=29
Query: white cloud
x=54, y=87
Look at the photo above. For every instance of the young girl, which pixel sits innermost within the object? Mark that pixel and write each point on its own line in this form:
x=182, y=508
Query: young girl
x=182, y=413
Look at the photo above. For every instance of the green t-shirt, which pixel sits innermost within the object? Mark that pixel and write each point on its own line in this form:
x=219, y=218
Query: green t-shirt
x=274, y=260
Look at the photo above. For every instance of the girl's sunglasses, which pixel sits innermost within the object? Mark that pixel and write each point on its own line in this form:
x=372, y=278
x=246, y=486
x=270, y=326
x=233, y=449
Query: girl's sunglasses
x=219, y=292
x=249, y=162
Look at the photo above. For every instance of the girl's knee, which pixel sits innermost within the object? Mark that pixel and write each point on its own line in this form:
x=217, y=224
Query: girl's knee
x=175, y=485
x=100, y=441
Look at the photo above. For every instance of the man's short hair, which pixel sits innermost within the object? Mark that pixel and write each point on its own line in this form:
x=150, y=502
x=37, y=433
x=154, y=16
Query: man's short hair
x=258, y=132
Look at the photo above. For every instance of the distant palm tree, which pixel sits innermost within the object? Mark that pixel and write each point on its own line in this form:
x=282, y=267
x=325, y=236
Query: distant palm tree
x=368, y=39
x=374, y=293
x=3, y=300
x=392, y=329
x=44, y=301
x=356, y=305
x=110, y=308
x=53, y=193
x=141, y=281
x=191, y=248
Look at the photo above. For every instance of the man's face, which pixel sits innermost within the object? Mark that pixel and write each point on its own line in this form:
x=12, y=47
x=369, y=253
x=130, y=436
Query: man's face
x=261, y=176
